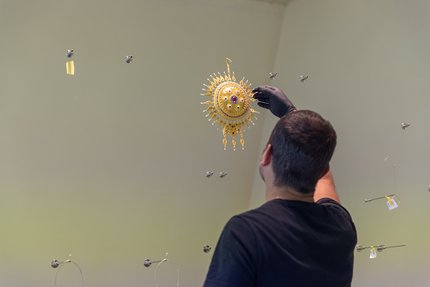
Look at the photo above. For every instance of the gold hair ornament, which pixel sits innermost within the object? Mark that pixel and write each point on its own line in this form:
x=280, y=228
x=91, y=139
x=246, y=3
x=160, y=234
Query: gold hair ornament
x=229, y=104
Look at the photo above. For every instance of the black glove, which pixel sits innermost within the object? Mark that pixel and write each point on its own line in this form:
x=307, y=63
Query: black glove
x=274, y=99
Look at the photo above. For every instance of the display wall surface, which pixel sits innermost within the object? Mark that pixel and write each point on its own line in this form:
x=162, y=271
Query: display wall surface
x=109, y=164
x=367, y=65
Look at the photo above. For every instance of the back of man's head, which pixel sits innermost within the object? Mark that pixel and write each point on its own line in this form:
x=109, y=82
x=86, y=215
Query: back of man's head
x=302, y=145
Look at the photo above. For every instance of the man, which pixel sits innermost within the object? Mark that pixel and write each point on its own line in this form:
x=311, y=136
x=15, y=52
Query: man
x=301, y=236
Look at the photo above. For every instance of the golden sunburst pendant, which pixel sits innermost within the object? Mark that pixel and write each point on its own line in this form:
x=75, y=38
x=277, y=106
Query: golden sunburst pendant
x=229, y=104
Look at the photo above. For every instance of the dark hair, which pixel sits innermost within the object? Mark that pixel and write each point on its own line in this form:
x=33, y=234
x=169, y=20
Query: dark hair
x=303, y=143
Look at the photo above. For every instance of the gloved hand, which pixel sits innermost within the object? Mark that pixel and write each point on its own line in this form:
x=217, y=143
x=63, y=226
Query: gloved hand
x=274, y=99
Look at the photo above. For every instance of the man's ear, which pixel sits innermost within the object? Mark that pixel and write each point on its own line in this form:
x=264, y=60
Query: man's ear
x=266, y=157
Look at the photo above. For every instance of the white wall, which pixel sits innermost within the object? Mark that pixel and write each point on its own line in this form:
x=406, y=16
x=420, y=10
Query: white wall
x=109, y=164
x=368, y=64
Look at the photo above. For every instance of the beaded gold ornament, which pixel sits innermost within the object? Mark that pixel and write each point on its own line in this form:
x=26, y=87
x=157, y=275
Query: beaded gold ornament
x=229, y=104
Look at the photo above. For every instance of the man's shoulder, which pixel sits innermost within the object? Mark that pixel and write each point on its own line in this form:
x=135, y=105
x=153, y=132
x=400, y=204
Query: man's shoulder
x=256, y=216
x=252, y=213
x=330, y=203
x=243, y=221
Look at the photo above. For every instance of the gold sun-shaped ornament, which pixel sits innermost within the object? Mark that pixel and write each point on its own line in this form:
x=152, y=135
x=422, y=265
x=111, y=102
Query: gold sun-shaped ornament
x=229, y=104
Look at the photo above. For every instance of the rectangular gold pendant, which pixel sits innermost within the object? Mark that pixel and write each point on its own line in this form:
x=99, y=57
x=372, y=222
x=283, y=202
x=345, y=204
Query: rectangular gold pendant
x=70, y=67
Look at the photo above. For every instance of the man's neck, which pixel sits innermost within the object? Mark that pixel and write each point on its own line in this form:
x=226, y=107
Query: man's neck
x=287, y=193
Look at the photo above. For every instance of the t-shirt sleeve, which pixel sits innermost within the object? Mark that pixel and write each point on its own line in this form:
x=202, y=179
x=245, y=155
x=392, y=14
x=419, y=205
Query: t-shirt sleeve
x=330, y=202
x=340, y=210
x=233, y=262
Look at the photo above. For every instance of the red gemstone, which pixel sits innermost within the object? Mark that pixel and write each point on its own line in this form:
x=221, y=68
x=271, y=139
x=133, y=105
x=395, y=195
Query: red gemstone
x=233, y=99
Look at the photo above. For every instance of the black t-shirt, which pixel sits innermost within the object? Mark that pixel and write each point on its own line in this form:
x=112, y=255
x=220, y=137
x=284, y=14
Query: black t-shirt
x=286, y=243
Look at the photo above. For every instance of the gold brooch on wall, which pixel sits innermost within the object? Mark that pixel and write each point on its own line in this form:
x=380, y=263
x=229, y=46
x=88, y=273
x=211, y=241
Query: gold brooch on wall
x=229, y=104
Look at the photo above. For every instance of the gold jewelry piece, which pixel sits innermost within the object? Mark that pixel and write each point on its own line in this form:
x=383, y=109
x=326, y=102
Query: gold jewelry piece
x=229, y=104
x=70, y=67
